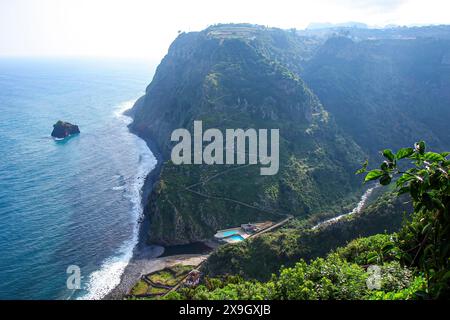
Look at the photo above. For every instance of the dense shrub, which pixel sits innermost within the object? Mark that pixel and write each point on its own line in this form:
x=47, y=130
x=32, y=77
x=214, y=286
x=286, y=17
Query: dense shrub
x=375, y=249
x=424, y=242
x=331, y=278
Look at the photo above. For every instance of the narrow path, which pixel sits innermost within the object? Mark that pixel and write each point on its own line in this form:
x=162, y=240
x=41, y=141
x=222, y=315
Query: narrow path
x=275, y=226
x=203, y=182
x=217, y=175
x=236, y=202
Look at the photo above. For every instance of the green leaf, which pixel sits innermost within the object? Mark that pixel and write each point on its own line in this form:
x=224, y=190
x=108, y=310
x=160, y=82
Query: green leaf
x=387, y=153
x=364, y=167
x=388, y=248
x=432, y=156
x=426, y=228
x=445, y=154
x=403, y=179
x=438, y=203
x=420, y=147
x=446, y=276
x=374, y=175
x=403, y=191
x=372, y=257
x=404, y=152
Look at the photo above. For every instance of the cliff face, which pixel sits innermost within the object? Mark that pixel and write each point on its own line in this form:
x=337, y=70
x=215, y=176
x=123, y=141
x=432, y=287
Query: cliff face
x=228, y=77
x=322, y=93
x=385, y=91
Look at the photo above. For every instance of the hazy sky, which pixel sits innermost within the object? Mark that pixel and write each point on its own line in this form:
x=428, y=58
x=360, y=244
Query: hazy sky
x=145, y=28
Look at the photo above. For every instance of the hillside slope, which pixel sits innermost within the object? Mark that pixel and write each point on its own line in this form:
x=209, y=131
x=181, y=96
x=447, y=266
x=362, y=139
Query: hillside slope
x=232, y=80
x=379, y=91
x=336, y=100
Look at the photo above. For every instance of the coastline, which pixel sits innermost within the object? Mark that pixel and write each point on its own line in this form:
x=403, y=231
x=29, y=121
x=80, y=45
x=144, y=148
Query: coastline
x=144, y=255
x=147, y=258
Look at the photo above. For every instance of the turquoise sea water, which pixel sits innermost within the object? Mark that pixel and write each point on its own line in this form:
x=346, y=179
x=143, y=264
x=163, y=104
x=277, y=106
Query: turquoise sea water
x=72, y=202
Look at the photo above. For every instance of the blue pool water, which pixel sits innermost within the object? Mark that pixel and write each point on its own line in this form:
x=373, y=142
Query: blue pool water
x=230, y=232
x=236, y=237
x=73, y=202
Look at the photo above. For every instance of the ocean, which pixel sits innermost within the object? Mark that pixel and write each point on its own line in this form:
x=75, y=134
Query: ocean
x=76, y=201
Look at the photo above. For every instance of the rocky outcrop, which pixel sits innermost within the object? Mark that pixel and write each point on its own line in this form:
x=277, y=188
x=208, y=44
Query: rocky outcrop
x=63, y=129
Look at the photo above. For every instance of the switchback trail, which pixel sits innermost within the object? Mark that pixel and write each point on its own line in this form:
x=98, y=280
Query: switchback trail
x=190, y=189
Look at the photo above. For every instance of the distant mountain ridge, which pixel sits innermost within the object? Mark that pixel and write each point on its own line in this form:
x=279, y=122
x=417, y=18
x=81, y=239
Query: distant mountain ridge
x=328, y=25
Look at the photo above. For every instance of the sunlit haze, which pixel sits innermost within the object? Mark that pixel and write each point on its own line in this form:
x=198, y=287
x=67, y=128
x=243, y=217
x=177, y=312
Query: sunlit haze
x=143, y=28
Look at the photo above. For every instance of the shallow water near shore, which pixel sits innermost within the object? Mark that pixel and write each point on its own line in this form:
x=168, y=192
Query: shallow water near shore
x=76, y=201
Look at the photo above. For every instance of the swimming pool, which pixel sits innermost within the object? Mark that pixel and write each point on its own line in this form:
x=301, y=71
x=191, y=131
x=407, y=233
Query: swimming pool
x=230, y=233
x=236, y=237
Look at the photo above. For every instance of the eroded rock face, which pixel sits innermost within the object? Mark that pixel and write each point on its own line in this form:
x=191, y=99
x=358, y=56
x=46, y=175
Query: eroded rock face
x=63, y=129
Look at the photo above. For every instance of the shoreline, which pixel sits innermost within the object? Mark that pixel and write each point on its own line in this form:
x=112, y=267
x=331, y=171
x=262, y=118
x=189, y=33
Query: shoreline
x=118, y=269
x=147, y=258
x=144, y=254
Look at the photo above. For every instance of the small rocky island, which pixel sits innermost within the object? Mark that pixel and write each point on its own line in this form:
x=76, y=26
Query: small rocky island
x=63, y=129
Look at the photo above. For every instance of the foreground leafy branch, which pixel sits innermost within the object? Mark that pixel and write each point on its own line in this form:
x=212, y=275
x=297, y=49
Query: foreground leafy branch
x=425, y=241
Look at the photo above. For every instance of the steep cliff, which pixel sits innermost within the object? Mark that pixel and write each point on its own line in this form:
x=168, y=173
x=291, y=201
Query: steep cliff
x=239, y=77
x=385, y=91
x=336, y=100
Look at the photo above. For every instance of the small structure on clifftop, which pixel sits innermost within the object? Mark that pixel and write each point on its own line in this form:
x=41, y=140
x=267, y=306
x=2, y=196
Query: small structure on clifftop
x=63, y=129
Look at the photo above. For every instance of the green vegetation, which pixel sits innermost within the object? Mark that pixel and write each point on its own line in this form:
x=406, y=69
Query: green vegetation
x=384, y=92
x=155, y=291
x=333, y=99
x=333, y=277
x=424, y=242
x=237, y=81
x=336, y=101
x=297, y=241
x=170, y=276
x=375, y=249
x=160, y=282
x=164, y=277
x=344, y=273
x=140, y=288
x=143, y=289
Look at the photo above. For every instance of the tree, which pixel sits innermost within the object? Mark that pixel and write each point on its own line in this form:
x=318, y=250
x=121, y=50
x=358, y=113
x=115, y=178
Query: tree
x=425, y=241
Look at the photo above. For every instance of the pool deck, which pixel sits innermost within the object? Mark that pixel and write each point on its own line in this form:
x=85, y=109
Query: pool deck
x=230, y=235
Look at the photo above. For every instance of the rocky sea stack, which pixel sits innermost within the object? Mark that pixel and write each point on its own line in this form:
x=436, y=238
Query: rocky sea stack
x=63, y=129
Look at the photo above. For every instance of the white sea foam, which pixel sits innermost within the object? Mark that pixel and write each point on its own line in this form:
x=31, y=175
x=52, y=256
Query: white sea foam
x=102, y=281
x=119, y=112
